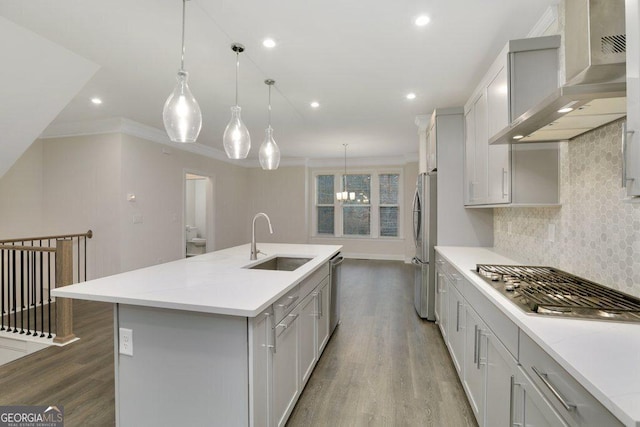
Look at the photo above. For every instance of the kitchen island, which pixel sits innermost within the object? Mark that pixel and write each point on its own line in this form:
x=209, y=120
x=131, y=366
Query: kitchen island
x=195, y=339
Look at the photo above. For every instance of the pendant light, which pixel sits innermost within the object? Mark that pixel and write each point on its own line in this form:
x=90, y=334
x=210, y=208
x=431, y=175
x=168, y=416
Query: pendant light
x=344, y=195
x=269, y=152
x=236, y=139
x=181, y=114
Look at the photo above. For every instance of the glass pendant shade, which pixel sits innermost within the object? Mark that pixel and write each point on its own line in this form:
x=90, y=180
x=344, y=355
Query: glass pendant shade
x=269, y=152
x=181, y=114
x=236, y=139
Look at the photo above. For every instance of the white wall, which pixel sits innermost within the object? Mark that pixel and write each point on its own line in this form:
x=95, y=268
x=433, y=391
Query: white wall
x=282, y=195
x=71, y=185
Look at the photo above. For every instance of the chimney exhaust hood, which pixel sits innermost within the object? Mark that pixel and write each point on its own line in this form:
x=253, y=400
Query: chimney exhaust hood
x=595, y=92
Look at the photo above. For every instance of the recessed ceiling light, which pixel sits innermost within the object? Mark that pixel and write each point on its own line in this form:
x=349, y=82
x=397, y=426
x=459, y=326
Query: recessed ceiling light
x=315, y=104
x=422, y=20
x=411, y=95
x=565, y=110
x=269, y=43
x=96, y=101
x=516, y=137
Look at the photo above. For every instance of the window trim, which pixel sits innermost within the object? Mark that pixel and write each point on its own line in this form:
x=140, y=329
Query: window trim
x=374, y=203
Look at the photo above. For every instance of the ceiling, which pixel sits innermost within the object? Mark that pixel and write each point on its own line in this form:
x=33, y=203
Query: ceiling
x=357, y=58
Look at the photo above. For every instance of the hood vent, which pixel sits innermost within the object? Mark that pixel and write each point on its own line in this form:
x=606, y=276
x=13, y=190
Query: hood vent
x=595, y=66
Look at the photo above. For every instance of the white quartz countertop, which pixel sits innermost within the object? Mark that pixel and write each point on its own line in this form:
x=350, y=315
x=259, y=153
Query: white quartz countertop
x=216, y=282
x=604, y=357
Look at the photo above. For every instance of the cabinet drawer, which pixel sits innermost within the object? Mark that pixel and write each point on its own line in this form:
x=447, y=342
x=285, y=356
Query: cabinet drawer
x=503, y=328
x=572, y=401
x=313, y=280
x=286, y=303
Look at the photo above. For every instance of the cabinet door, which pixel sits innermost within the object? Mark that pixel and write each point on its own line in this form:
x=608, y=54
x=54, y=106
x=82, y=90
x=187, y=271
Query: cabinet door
x=324, y=299
x=632, y=145
x=501, y=372
x=474, y=368
x=307, y=334
x=286, y=386
x=442, y=304
x=480, y=185
x=431, y=149
x=531, y=409
x=260, y=375
x=469, y=156
x=498, y=101
x=456, y=327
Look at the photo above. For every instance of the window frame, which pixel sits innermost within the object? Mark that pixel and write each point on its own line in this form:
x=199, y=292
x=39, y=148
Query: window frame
x=374, y=205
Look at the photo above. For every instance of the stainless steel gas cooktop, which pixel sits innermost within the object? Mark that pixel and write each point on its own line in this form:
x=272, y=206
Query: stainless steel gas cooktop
x=546, y=290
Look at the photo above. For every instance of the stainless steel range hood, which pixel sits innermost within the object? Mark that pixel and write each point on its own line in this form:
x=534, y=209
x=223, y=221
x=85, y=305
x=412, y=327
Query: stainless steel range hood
x=595, y=93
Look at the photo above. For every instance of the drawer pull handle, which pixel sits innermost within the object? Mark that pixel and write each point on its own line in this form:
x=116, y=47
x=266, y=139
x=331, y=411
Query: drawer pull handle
x=511, y=387
x=457, y=316
x=475, y=344
x=545, y=379
x=292, y=299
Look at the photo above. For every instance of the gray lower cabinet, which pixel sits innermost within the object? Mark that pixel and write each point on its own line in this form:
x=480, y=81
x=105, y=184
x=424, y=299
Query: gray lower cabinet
x=260, y=354
x=501, y=369
x=441, y=303
x=285, y=347
x=307, y=334
x=323, y=297
x=286, y=381
x=530, y=408
x=457, y=327
x=473, y=372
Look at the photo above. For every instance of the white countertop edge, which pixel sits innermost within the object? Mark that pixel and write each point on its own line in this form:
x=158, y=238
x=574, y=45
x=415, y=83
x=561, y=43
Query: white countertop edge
x=237, y=260
x=520, y=318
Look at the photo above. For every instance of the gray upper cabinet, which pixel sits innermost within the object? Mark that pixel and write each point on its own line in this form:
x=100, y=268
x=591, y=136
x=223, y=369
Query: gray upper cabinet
x=524, y=73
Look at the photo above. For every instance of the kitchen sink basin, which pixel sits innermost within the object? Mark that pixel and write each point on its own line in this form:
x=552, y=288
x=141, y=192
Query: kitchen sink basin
x=281, y=263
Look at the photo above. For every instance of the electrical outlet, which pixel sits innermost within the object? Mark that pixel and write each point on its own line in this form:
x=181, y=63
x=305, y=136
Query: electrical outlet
x=138, y=219
x=552, y=232
x=509, y=227
x=126, y=341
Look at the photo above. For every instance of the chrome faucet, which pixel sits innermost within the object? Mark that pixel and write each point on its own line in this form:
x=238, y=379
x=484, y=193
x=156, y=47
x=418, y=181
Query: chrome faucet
x=254, y=250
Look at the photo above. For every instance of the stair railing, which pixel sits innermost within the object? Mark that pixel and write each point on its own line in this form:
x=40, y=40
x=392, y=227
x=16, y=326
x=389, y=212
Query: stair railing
x=29, y=269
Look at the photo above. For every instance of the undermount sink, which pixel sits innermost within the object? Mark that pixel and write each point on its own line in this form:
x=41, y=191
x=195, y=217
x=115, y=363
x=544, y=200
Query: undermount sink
x=280, y=263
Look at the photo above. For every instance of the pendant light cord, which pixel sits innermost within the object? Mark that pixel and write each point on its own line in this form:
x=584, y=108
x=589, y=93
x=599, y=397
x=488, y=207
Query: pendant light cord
x=184, y=3
x=237, y=71
x=269, y=105
x=344, y=177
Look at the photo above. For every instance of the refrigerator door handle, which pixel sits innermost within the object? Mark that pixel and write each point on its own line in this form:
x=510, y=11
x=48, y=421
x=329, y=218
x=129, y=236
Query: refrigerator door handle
x=416, y=218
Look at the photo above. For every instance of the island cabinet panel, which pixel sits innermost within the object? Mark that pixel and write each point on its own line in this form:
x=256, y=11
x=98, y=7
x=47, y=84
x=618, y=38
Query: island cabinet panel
x=324, y=299
x=286, y=382
x=260, y=337
x=307, y=336
x=181, y=360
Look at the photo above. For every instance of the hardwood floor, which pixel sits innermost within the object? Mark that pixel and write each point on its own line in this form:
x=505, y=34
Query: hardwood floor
x=384, y=366
x=78, y=376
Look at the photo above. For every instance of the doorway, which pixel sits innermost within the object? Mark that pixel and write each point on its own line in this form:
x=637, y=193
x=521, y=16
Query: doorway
x=198, y=212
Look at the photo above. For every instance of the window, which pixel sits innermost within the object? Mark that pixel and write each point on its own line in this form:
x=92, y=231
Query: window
x=372, y=208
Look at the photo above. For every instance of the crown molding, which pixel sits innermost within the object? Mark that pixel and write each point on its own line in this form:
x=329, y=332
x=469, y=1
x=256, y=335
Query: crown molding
x=548, y=18
x=149, y=133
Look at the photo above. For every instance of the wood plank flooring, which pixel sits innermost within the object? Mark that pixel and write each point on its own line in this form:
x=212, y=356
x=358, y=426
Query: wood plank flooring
x=78, y=376
x=383, y=366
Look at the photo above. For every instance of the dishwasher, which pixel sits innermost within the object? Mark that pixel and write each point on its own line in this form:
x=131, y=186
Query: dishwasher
x=334, y=278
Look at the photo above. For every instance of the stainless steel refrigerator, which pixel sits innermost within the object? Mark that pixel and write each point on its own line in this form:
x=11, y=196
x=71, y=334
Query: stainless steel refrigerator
x=424, y=236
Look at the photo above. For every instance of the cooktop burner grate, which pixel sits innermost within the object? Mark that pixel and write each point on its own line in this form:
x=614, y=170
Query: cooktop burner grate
x=546, y=290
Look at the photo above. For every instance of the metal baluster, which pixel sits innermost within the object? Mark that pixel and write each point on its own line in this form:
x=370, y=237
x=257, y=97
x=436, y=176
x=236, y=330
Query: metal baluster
x=41, y=293
x=49, y=290
x=15, y=291
x=2, y=283
x=29, y=277
x=22, y=274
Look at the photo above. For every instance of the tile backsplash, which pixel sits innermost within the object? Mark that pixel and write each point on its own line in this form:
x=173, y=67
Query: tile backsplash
x=595, y=234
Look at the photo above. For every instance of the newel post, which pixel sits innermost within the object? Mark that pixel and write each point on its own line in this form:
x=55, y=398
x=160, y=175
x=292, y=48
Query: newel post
x=64, y=277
